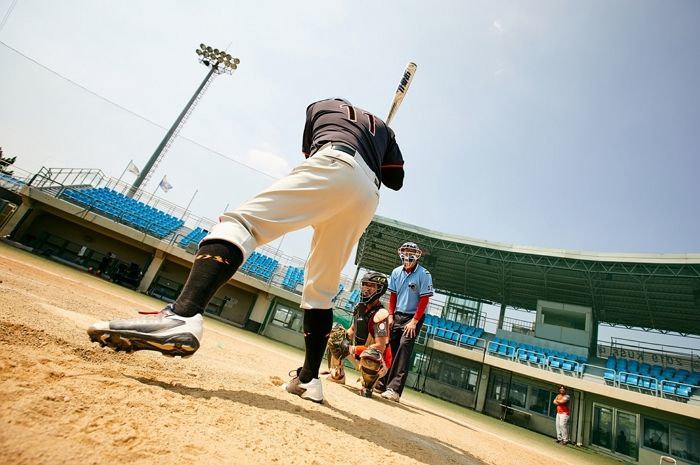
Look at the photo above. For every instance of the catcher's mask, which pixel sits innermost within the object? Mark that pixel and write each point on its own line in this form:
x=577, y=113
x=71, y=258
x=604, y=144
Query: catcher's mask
x=374, y=286
x=409, y=253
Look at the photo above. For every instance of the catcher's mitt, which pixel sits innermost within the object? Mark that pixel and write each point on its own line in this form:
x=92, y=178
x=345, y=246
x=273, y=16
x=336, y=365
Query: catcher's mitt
x=338, y=343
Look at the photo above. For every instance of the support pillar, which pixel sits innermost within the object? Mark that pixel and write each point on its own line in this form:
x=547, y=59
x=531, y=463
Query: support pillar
x=501, y=316
x=151, y=271
x=483, y=388
x=9, y=228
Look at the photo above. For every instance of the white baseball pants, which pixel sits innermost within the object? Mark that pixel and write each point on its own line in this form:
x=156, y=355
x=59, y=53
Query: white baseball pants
x=332, y=191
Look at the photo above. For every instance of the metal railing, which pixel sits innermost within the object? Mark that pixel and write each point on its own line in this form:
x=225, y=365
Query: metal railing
x=428, y=332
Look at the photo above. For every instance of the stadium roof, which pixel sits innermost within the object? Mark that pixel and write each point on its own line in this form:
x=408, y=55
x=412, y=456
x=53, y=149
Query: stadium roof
x=650, y=291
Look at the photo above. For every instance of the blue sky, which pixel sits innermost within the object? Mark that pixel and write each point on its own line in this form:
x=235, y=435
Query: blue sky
x=560, y=124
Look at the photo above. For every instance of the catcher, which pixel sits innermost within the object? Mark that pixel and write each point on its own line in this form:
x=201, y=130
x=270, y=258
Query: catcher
x=369, y=352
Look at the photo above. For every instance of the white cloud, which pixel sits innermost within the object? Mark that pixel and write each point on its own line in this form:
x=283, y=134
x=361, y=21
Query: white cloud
x=267, y=162
x=498, y=26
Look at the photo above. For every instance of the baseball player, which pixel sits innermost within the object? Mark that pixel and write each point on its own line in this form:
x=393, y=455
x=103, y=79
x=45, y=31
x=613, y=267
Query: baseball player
x=371, y=353
x=349, y=154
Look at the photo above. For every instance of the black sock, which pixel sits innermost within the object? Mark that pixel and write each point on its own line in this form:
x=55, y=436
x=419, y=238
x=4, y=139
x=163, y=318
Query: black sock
x=216, y=261
x=317, y=327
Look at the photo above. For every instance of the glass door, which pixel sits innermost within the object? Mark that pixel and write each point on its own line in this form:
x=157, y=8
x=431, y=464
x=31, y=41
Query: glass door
x=615, y=430
x=601, y=430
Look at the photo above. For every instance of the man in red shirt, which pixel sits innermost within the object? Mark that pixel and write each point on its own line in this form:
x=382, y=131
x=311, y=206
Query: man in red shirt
x=562, y=402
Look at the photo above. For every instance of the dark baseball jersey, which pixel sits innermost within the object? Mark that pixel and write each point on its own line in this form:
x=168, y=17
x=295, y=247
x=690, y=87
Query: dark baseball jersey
x=365, y=325
x=336, y=120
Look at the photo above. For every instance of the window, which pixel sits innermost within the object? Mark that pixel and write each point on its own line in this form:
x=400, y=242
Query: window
x=677, y=441
x=685, y=444
x=656, y=435
x=499, y=387
x=541, y=402
x=615, y=430
x=564, y=319
x=601, y=431
x=451, y=370
x=626, y=437
x=287, y=318
x=518, y=395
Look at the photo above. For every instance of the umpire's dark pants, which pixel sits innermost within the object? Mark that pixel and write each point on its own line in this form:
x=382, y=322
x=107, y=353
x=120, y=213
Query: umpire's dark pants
x=401, y=350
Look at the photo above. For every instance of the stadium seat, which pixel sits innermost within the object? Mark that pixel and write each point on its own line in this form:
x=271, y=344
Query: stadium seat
x=609, y=376
x=645, y=369
x=353, y=299
x=126, y=210
x=669, y=388
x=684, y=390
x=632, y=379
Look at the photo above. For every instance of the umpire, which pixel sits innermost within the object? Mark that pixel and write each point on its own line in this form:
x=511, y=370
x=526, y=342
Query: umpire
x=410, y=287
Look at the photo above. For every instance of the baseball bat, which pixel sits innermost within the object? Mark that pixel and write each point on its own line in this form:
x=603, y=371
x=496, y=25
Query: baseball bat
x=401, y=90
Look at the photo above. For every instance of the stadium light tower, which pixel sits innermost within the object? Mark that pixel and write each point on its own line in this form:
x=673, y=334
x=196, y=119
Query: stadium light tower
x=218, y=62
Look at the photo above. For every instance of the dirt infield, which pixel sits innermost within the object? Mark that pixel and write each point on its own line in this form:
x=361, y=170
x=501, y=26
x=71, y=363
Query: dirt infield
x=65, y=400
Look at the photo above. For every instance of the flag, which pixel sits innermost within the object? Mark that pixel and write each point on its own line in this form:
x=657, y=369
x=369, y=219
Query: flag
x=165, y=185
x=133, y=168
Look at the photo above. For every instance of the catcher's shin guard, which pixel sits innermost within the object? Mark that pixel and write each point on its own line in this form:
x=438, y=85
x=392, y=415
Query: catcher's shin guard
x=371, y=369
x=338, y=350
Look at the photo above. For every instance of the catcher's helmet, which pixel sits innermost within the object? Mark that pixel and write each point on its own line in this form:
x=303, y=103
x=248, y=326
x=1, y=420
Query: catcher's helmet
x=374, y=285
x=409, y=253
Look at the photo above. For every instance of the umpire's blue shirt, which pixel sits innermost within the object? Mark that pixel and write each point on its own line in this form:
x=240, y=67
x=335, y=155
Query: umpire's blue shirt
x=409, y=287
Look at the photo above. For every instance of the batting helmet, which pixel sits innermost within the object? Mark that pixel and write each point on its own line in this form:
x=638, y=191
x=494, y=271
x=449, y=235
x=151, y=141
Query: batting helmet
x=374, y=285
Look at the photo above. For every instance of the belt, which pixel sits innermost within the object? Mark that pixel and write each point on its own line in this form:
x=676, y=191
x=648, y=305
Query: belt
x=344, y=148
x=351, y=151
x=404, y=314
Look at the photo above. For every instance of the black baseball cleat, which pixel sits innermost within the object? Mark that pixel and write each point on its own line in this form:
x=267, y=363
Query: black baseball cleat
x=164, y=332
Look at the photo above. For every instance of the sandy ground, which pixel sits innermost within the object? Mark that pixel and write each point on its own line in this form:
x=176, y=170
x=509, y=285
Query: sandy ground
x=66, y=400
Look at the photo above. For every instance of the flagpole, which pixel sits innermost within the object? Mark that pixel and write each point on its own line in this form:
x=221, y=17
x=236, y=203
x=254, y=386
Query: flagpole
x=187, y=208
x=124, y=172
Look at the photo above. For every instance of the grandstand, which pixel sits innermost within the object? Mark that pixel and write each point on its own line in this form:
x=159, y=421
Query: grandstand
x=507, y=368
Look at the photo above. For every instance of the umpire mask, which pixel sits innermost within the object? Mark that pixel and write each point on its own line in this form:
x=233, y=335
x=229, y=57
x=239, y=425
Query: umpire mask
x=409, y=253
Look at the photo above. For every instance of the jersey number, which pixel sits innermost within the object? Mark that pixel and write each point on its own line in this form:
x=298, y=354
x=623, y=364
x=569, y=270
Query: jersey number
x=352, y=116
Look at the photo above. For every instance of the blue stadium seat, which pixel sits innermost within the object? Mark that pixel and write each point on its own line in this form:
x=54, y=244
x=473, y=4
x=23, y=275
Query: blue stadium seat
x=669, y=388
x=353, y=299
x=645, y=369
x=124, y=209
x=633, y=366
x=609, y=376
x=684, y=390
x=656, y=371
